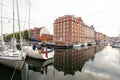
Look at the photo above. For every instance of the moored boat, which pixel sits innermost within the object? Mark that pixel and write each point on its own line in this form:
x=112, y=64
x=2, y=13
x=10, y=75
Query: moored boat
x=77, y=45
x=12, y=57
x=37, y=54
x=116, y=45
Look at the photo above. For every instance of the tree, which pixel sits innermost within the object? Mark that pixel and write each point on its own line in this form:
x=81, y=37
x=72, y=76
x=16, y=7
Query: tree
x=17, y=35
x=25, y=33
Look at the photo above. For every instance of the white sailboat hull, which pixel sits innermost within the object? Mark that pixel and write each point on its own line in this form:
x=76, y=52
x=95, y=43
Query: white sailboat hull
x=35, y=54
x=12, y=59
x=13, y=55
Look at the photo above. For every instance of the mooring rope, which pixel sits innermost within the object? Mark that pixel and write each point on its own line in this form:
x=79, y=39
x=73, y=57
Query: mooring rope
x=14, y=71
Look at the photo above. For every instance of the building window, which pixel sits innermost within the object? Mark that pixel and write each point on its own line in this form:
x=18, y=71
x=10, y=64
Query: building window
x=61, y=31
x=72, y=29
x=67, y=22
x=67, y=30
x=64, y=23
x=67, y=25
x=60, y=23
x=67, y=18
x=72, y=34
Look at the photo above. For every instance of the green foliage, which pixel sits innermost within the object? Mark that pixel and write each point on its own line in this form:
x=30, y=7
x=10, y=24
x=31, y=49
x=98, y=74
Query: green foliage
x=24, y=35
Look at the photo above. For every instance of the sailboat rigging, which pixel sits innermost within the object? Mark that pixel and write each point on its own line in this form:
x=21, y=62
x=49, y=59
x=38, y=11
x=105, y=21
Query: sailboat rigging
x=2, y=41
x=46, y=54
x=13, y=53
x=13, y=57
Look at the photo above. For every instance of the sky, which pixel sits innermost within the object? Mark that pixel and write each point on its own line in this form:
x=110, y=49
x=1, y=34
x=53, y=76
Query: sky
x=104, y=15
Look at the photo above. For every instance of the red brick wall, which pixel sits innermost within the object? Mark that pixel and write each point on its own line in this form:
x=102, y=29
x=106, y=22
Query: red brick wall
x=68, y=29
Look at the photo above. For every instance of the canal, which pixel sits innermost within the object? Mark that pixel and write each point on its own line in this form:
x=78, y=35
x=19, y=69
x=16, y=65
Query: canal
x=90, y=63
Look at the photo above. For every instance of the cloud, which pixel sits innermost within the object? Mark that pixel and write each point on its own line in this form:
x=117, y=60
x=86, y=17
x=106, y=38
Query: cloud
x=103, y=14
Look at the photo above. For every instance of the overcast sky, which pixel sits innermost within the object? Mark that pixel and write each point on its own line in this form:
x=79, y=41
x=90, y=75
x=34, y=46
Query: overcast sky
x=103, y=14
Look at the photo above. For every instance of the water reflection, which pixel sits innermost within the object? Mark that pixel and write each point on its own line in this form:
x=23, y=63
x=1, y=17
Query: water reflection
x=7, y=73
x=106, y=64
x=91, y=63
x=72, y=60
x=39, y=69
x=39, y=65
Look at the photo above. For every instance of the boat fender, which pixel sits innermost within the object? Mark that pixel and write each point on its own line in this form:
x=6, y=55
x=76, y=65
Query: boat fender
x=39, y=51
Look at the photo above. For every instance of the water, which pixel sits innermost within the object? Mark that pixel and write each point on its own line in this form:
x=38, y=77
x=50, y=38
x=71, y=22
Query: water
x=91, y=63
x=7, y=73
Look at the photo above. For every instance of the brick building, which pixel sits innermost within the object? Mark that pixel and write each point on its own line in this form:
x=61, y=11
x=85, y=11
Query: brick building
x=35, y=33
x=89, y=34
x=41, y=34
x=46, y=37
x=71, y=29
x=101, y=37
x=68, y=29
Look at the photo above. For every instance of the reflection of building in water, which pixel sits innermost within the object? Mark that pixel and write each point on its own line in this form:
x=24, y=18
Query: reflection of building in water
x=99, y=48
x=72, y=60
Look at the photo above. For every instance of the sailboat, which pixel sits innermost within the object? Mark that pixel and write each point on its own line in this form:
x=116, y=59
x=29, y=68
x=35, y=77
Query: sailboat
x=12, y=56
x=2, y=46
x=46, y=54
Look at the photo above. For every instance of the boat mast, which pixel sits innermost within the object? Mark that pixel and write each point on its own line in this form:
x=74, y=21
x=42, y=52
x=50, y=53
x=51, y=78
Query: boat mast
x=29, y=19
x=13, y=21
x=1, y=22
x=2, y=41
x=19, y=27
x=13, y=28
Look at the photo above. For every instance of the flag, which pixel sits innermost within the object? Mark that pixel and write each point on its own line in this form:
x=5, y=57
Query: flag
x=46, y=53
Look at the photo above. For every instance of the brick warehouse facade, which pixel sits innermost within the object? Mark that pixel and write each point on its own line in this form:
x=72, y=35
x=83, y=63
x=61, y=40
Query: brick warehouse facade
x=68, y=29
x=100, y=37
x=71, y=29
x=89, y=34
